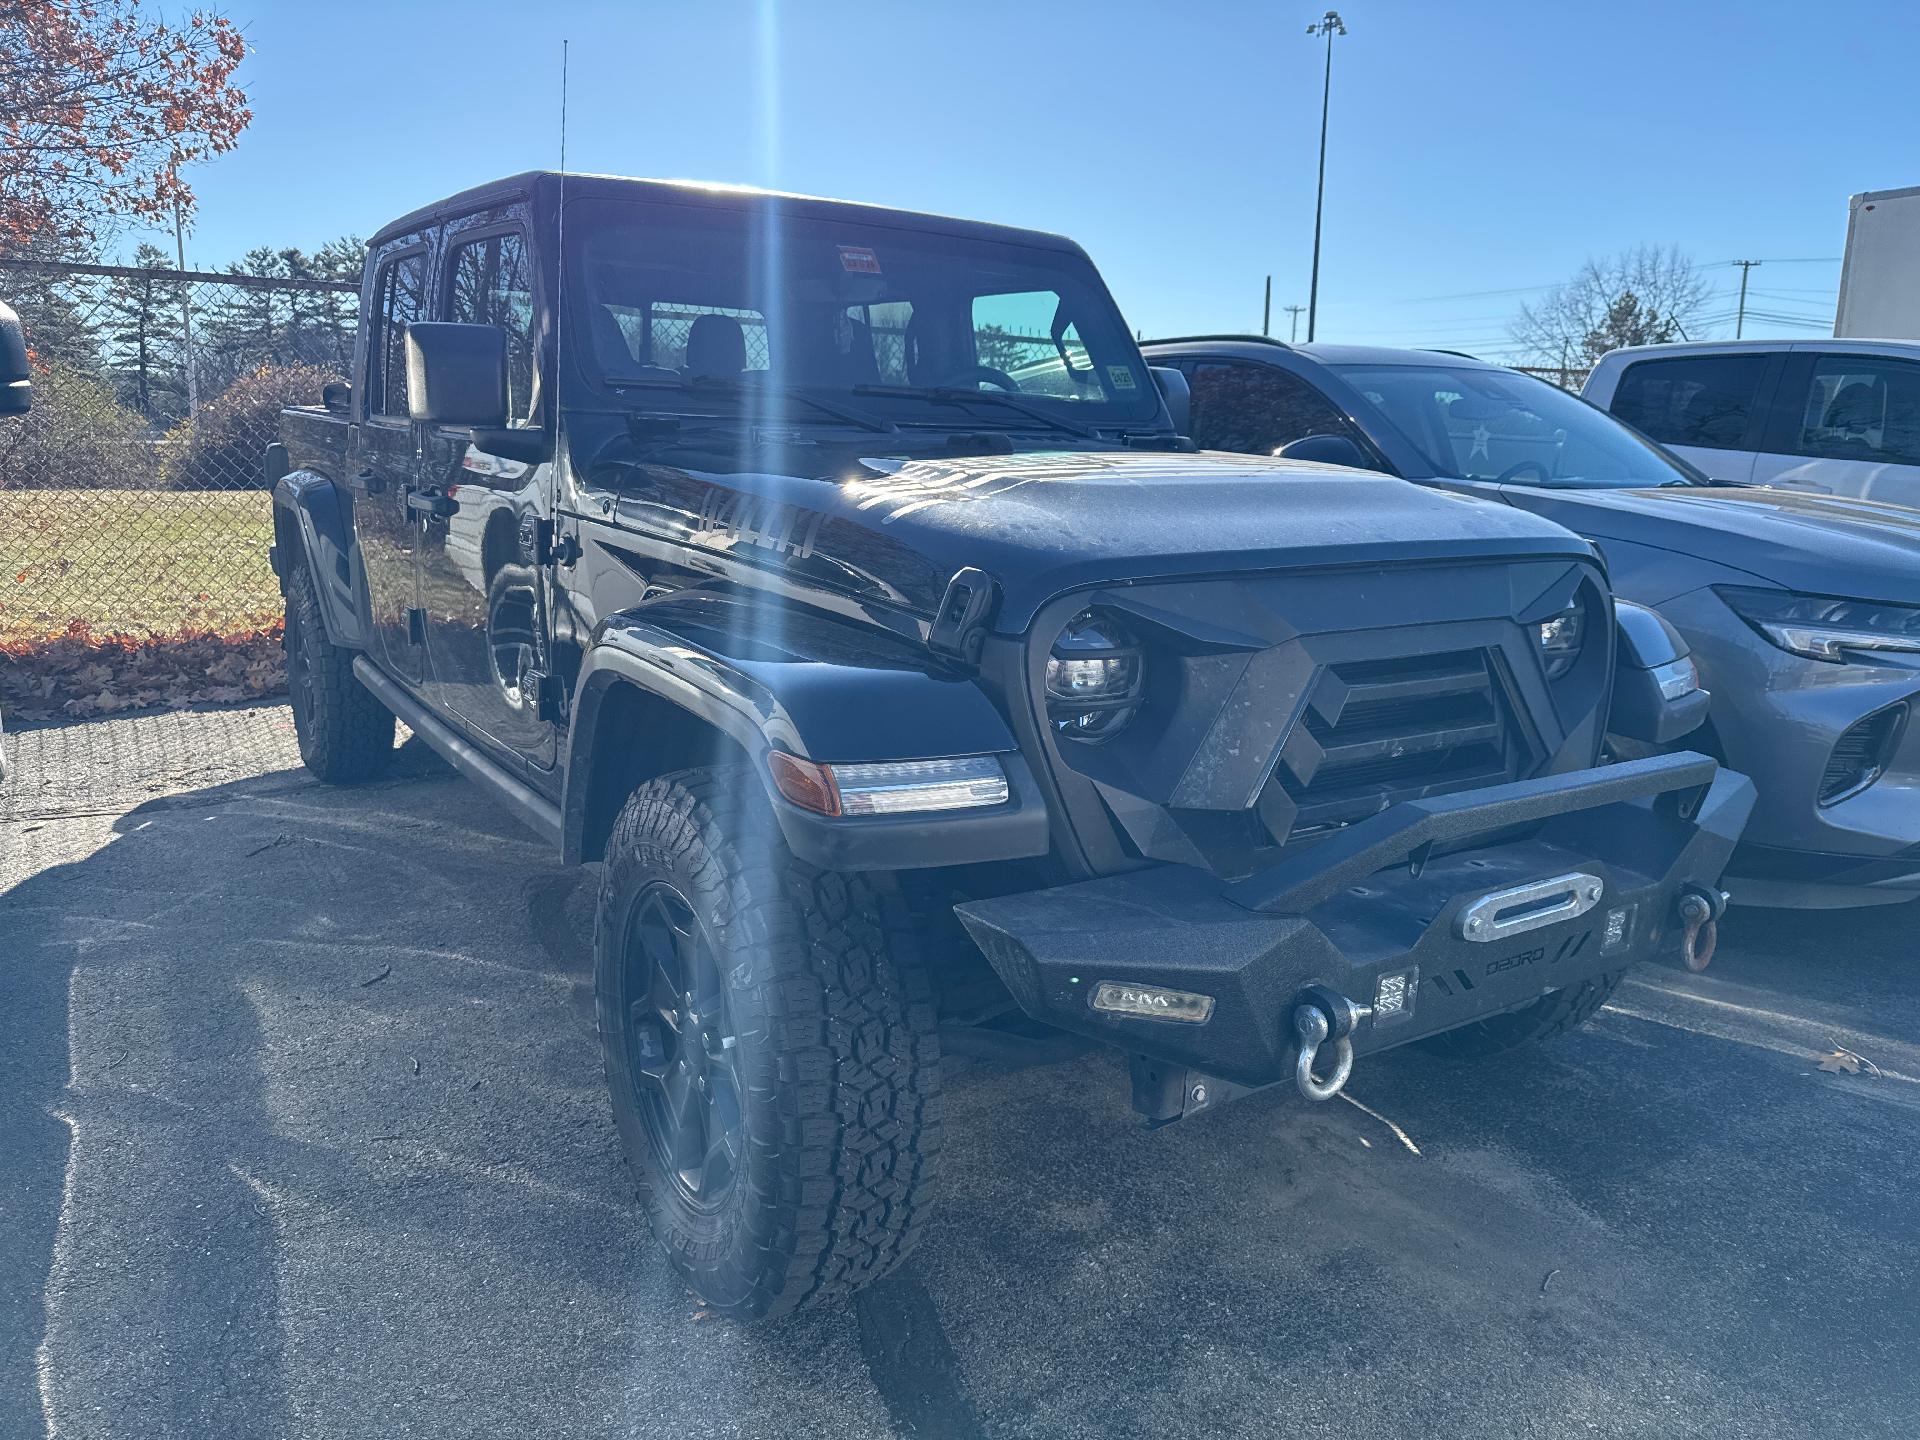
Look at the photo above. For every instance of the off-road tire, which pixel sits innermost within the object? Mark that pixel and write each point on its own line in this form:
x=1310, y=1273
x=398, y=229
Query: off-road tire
x=836, y=1050
x=1545, y=1018
x=345, y=734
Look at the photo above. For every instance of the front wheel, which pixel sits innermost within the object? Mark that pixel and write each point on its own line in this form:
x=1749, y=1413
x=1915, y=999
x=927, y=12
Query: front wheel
x=770, y=1047
x=1550, y=1015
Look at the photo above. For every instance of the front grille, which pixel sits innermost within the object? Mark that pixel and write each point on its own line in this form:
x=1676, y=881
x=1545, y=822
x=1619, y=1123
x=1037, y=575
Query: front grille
x=1376, y=732
x=1859, y=755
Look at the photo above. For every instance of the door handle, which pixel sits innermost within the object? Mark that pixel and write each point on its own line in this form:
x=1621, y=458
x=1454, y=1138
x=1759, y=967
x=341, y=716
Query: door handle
x=432, y=503
x=371, y=481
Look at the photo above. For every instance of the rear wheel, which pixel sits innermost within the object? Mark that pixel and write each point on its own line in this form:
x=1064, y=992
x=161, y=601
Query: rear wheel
x=1545, y=1018
x=345, y=734
x=770, y=1048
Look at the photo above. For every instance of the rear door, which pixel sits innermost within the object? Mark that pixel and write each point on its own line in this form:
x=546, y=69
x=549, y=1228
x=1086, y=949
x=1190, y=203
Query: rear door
x=1707, y=408
x=481, y=580
x=384, y=461
x=1846, y=424
x=1257, y=408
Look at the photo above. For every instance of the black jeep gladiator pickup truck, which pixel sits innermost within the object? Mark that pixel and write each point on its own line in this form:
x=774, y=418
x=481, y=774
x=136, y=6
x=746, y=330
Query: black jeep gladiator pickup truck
x=827, y=573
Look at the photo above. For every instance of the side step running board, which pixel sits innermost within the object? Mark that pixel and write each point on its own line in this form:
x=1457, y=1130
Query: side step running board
x=527, y=804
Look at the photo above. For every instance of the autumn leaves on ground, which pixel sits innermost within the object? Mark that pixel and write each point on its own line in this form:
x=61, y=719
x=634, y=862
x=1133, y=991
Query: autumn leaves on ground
x=113, y=600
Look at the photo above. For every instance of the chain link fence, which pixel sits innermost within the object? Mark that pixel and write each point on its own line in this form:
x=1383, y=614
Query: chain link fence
x=131, y=496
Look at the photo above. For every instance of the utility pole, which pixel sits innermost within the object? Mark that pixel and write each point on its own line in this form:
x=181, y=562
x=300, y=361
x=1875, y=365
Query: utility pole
x=1294, y=311
x=1740, y=317
x=1330, y=25
x=186, y=314
x=1266, y=310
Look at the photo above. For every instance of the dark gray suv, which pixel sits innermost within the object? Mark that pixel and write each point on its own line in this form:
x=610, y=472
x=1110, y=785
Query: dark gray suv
x=1803, y=611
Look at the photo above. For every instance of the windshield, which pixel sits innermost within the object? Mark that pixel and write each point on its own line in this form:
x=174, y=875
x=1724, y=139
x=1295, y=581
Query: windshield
x=1474, y=424
x=723, y=300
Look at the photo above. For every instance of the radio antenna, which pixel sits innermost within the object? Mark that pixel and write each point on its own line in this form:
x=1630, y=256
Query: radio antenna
x=560, y=288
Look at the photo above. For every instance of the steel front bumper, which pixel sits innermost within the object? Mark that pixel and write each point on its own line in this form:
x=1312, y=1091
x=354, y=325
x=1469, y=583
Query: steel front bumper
x=1383, y=913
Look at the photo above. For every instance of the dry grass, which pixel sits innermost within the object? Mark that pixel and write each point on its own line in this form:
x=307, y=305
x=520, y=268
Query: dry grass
x=136, y=561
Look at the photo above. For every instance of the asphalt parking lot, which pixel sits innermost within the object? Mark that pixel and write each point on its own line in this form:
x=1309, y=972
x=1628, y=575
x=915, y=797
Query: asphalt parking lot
x=304, y=1134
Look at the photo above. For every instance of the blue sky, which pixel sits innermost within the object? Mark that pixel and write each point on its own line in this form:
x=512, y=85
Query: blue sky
x=1480, y=149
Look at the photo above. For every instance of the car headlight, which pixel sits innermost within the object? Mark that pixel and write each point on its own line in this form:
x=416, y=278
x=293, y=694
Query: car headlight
x=1093, y=678
x=1561, y=638
x=1822, y=627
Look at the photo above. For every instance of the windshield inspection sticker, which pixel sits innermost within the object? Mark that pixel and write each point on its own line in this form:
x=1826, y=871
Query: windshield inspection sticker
x=1122, y=377
x=859, y=260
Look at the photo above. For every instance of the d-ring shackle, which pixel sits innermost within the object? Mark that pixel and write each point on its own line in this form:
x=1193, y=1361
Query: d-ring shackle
x=1311, y=1025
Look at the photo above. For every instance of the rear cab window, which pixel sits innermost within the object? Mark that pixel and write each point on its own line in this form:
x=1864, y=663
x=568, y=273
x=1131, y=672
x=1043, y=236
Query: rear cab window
x=1702, y=400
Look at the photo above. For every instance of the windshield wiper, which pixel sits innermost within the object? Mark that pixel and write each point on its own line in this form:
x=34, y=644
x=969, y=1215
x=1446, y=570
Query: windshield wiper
x=949, y=395
x=727, y=384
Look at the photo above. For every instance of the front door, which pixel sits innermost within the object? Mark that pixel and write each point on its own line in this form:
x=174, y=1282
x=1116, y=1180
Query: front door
x=382, y=468
x=1847, y=425
x=481, y=582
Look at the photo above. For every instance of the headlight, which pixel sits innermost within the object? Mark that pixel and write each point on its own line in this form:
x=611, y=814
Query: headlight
x=1093, y=678
x=1823, y=628
x=1560, y=639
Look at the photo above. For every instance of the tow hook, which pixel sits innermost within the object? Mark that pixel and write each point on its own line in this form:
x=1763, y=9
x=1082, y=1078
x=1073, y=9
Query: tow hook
x=1323, y=1014
x=1700, y=912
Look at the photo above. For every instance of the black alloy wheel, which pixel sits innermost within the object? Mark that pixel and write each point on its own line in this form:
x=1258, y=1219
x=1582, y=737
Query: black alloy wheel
x=682, y=1051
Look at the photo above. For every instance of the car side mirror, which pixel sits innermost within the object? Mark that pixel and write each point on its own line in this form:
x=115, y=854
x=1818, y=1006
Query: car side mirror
x=457, y=374
x=1656, y=686
x=1177, y=394
x=16, y=380
x=1326, y=450
x=337, y=396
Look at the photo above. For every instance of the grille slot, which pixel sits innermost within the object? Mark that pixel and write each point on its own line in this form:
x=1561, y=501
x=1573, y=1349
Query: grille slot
x=1859, y=755
x=1377, y=732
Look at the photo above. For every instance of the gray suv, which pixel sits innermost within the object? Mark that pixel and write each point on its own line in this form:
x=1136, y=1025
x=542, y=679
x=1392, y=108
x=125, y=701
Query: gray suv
x=1802, y=610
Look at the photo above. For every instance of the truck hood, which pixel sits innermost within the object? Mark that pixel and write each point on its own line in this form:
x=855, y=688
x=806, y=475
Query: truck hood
x=1043, y=523
x=1821, y=544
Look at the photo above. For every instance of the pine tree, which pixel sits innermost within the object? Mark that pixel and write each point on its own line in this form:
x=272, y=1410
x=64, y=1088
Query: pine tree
x=144, y=337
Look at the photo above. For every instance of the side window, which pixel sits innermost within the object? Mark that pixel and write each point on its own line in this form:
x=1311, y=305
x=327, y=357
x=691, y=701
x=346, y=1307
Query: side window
x=1858, y=408
x=400, y=298
x=1702, y=400
x=1257, y=408
x=490, y=282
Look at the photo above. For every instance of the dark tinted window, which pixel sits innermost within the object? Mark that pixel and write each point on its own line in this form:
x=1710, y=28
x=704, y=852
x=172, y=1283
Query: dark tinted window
x=400, y=299
x=1691, y=400
x=490, y=283
x=1257, y=408
x=1857, y=408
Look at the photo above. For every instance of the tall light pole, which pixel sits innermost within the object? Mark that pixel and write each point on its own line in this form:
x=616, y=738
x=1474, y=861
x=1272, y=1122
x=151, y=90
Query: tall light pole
x=1330, y=25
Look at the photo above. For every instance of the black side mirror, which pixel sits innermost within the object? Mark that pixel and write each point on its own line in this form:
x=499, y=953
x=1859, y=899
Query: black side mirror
x=457, y=374
x=1326, y=450
x=1178, y=395
x=337, y=396
x=16, y=380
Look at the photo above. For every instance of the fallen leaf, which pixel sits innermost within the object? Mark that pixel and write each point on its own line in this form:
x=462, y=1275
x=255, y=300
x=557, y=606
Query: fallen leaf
x=1841, y=1062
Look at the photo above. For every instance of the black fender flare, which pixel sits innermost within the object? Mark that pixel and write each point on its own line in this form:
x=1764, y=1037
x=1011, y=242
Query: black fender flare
x=313, y=520
x=824, y=690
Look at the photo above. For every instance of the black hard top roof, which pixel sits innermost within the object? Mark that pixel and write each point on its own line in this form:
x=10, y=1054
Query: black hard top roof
x=546, y=185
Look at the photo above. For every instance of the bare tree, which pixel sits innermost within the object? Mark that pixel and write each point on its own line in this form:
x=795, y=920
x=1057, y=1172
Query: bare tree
x=1644, y=296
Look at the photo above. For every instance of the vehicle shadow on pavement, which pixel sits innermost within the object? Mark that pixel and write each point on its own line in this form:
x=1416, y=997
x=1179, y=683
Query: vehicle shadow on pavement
x=307, y=1134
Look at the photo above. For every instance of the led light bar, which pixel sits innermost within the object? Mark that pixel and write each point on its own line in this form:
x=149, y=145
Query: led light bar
x=900, y=786
x=892, y=787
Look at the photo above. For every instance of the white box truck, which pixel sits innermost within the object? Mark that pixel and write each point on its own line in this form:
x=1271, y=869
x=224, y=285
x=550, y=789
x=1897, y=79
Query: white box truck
x=1880, y=277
